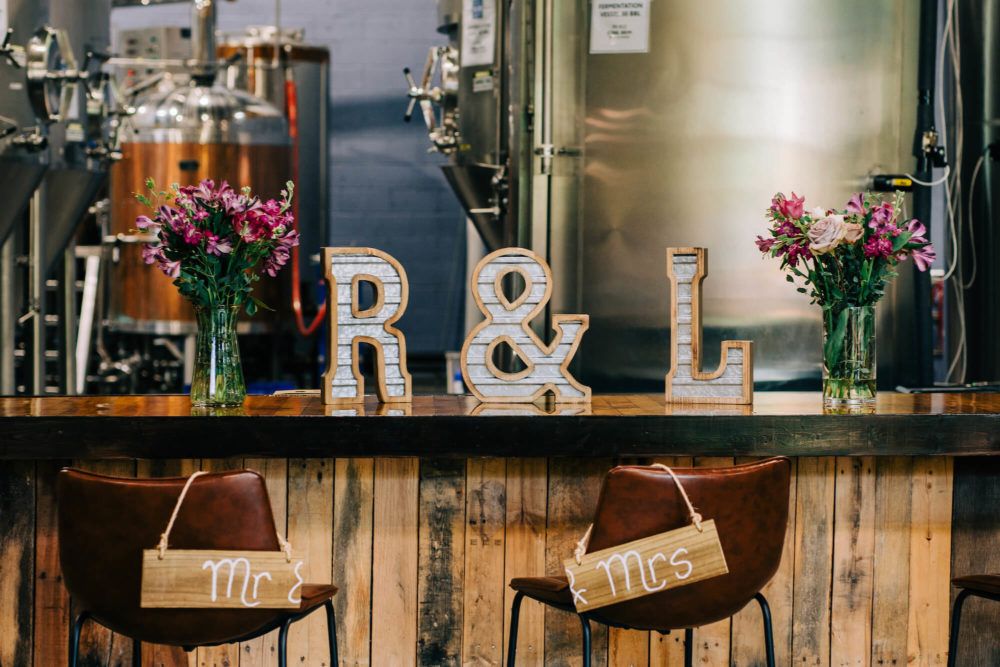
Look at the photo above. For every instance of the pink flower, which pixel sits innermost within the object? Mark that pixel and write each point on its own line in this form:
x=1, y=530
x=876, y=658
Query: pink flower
x=856, y=204
x=191, y=234
x=788, y=229
x=793, y=207
x=765, y=245
x=924, y=257
x=796, y=251
x=882, y=217
x=172, y=269
x=878, y=246
x=917, y=231
x=215, y=246
x=144, y=222
x=151, y=253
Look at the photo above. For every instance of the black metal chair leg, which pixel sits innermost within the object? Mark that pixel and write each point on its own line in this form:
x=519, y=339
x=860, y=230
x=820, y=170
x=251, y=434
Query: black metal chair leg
x=331, y=628
x=585, y=623
x=283, y=644
x=515, y=613
x=688, y=647
x=765, y=611
x=956, y=621
x=136, y=653
x=74, y=638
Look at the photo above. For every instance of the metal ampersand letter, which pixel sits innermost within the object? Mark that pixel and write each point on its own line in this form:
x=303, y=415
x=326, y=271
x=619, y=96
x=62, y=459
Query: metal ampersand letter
x=732, y=381
x=346, y=269
x=546, y=367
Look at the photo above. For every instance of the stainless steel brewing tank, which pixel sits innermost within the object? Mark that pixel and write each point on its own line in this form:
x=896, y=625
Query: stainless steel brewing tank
x=182, y=133
x=259, y=73
x=684, y=146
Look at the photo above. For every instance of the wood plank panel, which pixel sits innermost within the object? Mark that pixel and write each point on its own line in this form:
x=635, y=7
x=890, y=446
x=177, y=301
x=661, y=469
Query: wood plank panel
x=748, y=625
x=52, y=605
x=574, y=485
x=486, y=513
x=441, y=563
x=712, y=642
x=394, y=567
x=853, y=562
x=668, y=650
x=98, y=645
x=527, y=491
x=158, y=655
x=227, y=655
x=975, y=549
x=17, y=559
x=891, y=584
x=354, y=489
x=310, y=530
x=263, y=651
x=628, y=647
x=930, y=561
x=814, y=499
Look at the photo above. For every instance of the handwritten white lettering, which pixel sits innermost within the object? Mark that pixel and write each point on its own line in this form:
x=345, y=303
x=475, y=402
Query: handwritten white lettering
x=677, y=563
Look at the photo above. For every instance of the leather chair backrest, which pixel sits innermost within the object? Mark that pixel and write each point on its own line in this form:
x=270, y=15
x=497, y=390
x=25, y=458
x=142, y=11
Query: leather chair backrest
x=105, y=523
x=749, y=504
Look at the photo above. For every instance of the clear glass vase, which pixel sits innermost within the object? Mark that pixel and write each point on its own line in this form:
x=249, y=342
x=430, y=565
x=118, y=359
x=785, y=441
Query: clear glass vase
x=849, y=356
x=218, y=374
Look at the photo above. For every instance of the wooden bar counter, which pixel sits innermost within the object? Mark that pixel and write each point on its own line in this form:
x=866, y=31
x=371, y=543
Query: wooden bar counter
x=422, y=513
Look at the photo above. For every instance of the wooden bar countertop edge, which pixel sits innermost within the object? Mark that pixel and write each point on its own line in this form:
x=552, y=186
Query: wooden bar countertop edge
x=613, y=425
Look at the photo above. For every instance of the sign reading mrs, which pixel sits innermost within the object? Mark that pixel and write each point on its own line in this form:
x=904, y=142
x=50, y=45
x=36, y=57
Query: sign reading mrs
x=643, y=567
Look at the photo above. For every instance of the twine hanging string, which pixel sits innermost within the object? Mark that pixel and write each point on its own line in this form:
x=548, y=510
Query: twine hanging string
x=581, y=546
x=286, y=546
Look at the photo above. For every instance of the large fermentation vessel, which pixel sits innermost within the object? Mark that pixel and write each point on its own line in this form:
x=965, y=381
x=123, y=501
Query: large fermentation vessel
x=186, y=130
x=182, y=135
x=613, y=157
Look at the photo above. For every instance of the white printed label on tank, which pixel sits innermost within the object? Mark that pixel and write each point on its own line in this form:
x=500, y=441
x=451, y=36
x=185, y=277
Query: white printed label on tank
x=619, y=26
x=479, y=32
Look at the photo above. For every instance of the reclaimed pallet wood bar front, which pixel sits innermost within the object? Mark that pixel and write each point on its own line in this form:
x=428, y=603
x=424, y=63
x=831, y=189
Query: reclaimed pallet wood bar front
x=422, y=515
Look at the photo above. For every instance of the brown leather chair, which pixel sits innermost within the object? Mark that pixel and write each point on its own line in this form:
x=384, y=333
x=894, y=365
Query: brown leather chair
x=976, y=585
x=106, y=522
x=749, y=504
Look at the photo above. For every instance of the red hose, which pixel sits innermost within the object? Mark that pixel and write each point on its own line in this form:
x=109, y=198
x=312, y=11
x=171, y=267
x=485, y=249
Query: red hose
x=292, y=111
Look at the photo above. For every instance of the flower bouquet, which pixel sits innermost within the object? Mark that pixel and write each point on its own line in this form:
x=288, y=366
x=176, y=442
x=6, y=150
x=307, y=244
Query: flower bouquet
x=844, y=259
x=214, y=243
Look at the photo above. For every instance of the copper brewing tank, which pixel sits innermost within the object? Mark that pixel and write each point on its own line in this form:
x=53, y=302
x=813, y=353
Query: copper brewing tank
x=184, y=132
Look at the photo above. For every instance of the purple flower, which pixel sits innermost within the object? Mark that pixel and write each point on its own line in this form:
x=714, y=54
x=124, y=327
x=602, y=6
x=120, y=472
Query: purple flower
x=924, y=257
x=191, y=234
x=172, y=269
x=151, y=253
x=215, y=246
x=856, y=204
x=878, y=246
x=765, y=245
x=917, y=231
x=795, y=251
x=144, y=222
x=882, y=217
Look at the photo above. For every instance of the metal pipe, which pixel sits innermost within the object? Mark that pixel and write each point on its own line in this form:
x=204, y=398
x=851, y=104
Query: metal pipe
x=203, y=21
x=923, y=372
x=7, y=316
x=36, y=293
x=68, y=322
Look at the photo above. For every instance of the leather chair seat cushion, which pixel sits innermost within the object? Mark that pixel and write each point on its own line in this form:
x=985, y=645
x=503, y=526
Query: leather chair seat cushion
x=980, y=583
x=547, y=590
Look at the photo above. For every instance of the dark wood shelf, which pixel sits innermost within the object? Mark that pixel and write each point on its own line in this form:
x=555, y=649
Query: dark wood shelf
x=792, y=424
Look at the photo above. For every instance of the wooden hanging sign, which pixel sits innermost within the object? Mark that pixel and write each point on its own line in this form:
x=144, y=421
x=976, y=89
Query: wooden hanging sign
x=207, y=579
x=651, y=565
